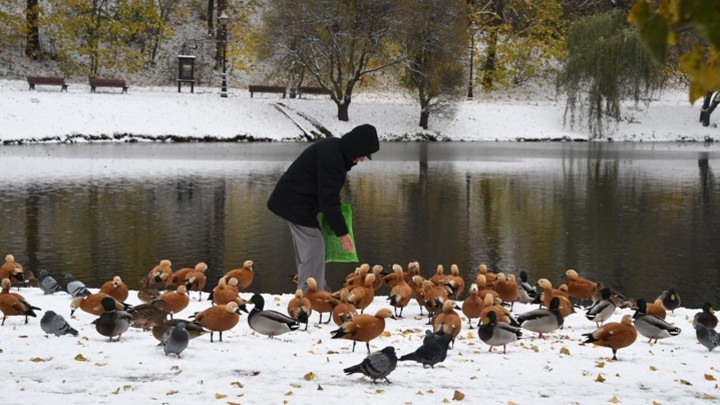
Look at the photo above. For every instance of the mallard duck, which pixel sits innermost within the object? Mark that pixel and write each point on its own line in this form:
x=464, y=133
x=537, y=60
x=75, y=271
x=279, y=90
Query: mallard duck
x=651, y=326
x=496, y=333
x=602, y=309
x=147, y=293
x=472, y=305
x=116, y=289
x=219, y=318
x=401, y=293
x=542, y=320
x=145, y=316
x=670, y=299
x=321, y=301
x=244, y=275
x=707, y=337
x=161, y=275
x=112, y=322
x=706, y=316
x=269, y=322
x=299, y=308
x=363, y=327
x=528, y=292
x=194, y=329
x=177, y=300
x=12, y=304
x=615, y=335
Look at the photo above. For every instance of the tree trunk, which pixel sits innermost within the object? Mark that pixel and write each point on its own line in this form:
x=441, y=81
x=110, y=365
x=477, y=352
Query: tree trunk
x=489, y=66
x=32, y=14
x=424, y=116
x=343, y=111
x=211, y=16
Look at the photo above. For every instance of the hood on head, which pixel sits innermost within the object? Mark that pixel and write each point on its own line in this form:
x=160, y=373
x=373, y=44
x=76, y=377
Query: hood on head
x=361, y=141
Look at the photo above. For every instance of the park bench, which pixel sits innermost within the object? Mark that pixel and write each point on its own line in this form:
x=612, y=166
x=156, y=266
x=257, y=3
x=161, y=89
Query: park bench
x=254, y=88
x=49, y=81
x=95, y=82
x=311, y=90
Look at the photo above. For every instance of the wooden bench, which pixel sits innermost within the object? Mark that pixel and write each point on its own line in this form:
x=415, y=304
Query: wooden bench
x=311, y=90
x=254, y=88
x=49, y=81
x=95, y=82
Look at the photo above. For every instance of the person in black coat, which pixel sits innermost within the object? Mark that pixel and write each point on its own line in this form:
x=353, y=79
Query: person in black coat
x=311, y=185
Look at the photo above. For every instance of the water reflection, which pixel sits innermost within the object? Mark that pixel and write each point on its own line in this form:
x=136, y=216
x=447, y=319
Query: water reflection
x=640, y=217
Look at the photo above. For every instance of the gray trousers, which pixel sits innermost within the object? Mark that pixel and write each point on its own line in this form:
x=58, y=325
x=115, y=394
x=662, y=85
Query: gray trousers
x=309, y=254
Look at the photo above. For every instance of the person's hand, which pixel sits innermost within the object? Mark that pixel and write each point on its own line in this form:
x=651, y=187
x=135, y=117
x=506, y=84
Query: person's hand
x=347, y=243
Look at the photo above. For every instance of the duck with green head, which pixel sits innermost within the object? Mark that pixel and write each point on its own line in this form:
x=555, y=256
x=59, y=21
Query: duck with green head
x=269, y=322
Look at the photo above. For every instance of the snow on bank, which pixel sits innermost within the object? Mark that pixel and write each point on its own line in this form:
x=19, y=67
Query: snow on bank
x=161, y=113
x=305, y=367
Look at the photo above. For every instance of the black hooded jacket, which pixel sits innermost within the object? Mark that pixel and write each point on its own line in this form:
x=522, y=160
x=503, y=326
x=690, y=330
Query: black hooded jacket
x=313, y=181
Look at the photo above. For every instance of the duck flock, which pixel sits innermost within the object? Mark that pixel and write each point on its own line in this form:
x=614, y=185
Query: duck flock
x=447, y=310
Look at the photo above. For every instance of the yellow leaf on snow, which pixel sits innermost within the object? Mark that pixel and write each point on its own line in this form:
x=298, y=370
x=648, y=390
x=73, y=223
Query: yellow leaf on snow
x=600, y=378
x=709, y=377
x=708, y=396
x=565, y=351
x=458, y=396
x=173, y=392
x=309, y=376
x=614, y=400
x=237, y=384
x=289, y=394
x=386, y=334
x=600, y=364
x=653, y=368
x=39, y=360
x=684, y=382
x=80, y=357
x=220, y=396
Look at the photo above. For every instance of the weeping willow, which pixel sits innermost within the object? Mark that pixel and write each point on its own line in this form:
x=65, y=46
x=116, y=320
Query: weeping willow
x=606, y=64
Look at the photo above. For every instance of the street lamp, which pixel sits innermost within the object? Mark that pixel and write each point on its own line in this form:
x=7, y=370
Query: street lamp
x=473, y=29
x=223, y=19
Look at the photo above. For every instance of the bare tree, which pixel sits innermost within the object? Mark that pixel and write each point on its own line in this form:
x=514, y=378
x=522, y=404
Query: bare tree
x=337, y=42
x=32, y=16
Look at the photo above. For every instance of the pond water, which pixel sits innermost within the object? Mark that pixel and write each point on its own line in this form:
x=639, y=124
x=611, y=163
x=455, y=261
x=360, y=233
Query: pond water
x=640, y=217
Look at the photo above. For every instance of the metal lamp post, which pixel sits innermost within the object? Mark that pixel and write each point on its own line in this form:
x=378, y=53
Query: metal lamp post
x=223, y=19
x=473, y=29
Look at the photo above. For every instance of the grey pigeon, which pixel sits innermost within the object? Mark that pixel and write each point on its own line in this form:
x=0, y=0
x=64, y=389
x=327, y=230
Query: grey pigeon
x=54, y=324
x=76, y=288
x=707, y=337
x=433, y=350
x=377, y=365
x=175, y=339
x=47, y=283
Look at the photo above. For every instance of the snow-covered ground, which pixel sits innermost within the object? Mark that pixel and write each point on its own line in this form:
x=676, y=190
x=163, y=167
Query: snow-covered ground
x=162, y=112
x=304, y=367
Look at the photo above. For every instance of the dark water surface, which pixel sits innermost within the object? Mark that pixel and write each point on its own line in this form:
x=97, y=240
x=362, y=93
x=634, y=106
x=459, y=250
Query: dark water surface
x=640, y=217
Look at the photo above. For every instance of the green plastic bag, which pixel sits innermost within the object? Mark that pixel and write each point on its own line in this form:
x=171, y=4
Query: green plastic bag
x=334, y=251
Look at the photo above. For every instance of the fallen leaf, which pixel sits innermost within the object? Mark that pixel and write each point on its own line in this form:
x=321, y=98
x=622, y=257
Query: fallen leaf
x=709, y=377
x=289, y=394
x=600, y=364
x=614, y=400
x=237, y=384
x=512, y=403
x=173, y=392
x=39, y=360
x=254, y=373
x=681, y=381
x=379, y=391
x=116, y=391
x=600, y=378
x=175, y=368
x=708, y=396
x=311, y=352
x=386, y=334
x=309, y=376
x=320, y=388
x=656, y=403
x=296, y=386
x=220, y=396
x=653, y=368
x=127, y=387
x=458, y=396
x=80, y=357
x=101, y=364
x=565, y=351
x=419, y=393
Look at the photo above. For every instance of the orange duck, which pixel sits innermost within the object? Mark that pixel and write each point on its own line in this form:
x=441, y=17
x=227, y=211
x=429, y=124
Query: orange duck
x=473, y=305
x=90, y=303
x=448, y=321
x=177, y=300
x=116, y=289
x=362, y=297
x=12, y=270
x=401, y=293
x=439, y=277
x=321, y=301
x=219, y=318
x=344, y=311
x=363, y=327
x=547, y=292
x=244, y=275
x=196, y=281
x=161, y=275
x=614, y=335
x=489, y=276
x=483, y=288
x=656, y=308
x=455, y=282
x=12, y=304
x=419, y=291
x=412, y=271
x=180, y=276
x=578, y=287
x=508, y=290
x=357, y=278
x=494, y=304
x=225, y=291
x=299, y=308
